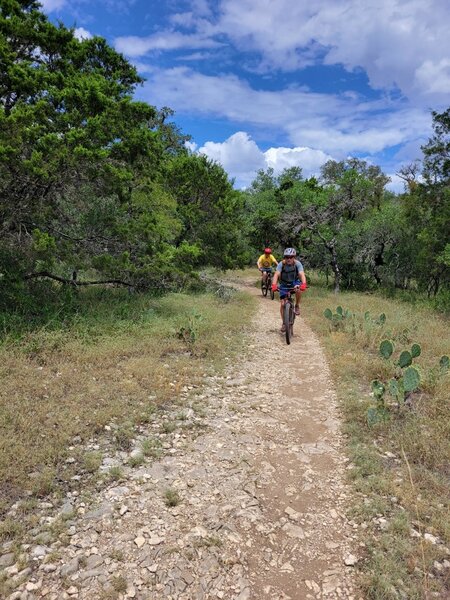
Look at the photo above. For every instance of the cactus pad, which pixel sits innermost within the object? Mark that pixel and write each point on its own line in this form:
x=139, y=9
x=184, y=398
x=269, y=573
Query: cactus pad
x=415, y=350
x=405, y=359
x=386, y=348
x=444, y=363
x=411, y=379
x=328, y=314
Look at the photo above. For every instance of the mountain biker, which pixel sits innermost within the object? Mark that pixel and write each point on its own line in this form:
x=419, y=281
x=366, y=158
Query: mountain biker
x=265, y=262
x=291, y=276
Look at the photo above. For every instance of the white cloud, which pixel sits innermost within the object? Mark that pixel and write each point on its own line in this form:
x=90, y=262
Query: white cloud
x=337, y=124
x=396, y=184
x=82, y=34
x=434, y=77
x=135, y=46
x=239, y=155
x=51, y=5
x=390, y=39
x=308, y=159
x=241, y=158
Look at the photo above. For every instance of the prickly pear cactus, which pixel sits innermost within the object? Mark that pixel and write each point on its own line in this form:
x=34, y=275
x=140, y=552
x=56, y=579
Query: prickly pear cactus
x=411, y=379
x=444, y=363
x=405, y=359
x=415, y=350
x=386, y=349
x=327, y=313
x=378, y=388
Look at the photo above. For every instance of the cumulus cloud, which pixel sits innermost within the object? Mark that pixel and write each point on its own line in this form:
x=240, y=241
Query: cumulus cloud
x=392, y=40
x=241, y=158
x=239, y=155
x=434, y=77
x=336, y=124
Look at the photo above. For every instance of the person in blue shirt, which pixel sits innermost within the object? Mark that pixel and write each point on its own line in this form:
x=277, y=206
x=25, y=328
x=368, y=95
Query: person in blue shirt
x=289, y=275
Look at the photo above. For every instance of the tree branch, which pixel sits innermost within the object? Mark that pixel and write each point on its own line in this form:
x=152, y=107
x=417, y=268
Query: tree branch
x=73, y=281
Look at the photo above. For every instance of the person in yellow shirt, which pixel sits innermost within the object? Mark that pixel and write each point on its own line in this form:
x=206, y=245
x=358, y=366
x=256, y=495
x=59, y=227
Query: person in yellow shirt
x=265, y=262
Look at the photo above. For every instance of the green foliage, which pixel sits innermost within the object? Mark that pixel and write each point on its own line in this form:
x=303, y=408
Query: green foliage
x=189, y=333
x=444, y=363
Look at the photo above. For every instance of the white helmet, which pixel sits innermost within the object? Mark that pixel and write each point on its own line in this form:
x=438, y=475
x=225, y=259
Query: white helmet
x=289, y=252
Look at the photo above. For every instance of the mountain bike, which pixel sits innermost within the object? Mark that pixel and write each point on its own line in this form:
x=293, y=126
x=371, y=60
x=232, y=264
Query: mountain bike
x=289, y=314
x=266, y=285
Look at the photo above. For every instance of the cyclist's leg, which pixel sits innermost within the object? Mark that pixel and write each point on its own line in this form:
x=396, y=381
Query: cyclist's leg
x=283, y=294
x=297, y=297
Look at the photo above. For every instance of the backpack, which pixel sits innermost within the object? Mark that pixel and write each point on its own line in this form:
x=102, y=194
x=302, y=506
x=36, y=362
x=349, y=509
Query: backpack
x=289, y=273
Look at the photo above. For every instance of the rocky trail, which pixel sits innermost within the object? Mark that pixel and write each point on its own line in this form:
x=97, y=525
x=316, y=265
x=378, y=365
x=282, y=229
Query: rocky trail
x=246, y=501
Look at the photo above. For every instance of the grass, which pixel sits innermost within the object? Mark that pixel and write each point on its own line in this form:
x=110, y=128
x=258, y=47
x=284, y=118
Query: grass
x=401, y=467
x=112, y=364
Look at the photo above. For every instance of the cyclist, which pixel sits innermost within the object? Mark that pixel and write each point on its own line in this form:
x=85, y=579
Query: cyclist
x=265, y=262
x=291, y=276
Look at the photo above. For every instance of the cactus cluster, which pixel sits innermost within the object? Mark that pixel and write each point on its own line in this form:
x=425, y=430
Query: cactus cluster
x=380, y=320
x=337, y=319
x=405, y=381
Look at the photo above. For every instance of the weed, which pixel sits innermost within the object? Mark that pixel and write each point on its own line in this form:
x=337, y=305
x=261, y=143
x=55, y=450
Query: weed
x=44, y=483
x=171, y=497
x=169, y=426
x=117, y=555
x=92, y=461
x=151, y=447
x=136, y=460
x=123, y=437
x=119, y=584
x=115, y=473
x=10, y=529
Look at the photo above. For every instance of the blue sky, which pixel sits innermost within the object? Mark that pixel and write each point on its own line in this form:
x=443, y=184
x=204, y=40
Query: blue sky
x=277, y=83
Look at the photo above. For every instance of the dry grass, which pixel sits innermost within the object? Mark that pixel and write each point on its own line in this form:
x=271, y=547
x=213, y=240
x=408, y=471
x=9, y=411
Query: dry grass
x=111, y=364
x=409, y=485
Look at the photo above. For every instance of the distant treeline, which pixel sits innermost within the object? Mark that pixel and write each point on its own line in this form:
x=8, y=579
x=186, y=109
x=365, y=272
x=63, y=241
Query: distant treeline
x=96, y=187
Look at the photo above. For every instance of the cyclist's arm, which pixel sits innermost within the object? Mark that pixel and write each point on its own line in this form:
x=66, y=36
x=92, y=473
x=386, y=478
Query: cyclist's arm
x=275, y=278
x=302, y=277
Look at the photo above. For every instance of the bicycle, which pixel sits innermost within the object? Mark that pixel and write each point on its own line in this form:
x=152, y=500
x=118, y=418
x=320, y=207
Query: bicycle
x=267, y=285
x=289, y=314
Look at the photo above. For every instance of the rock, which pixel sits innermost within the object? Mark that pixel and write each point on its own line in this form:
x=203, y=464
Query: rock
x=293, y=531
x=70, y=568
x=104, y=510
x=6, y=560
x=350, y=560
x=139, y=541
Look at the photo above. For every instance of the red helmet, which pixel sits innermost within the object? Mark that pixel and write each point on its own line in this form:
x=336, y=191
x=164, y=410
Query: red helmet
x=267, y=251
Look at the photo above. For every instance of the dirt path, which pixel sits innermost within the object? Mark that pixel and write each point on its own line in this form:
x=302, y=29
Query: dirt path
x=259, y=476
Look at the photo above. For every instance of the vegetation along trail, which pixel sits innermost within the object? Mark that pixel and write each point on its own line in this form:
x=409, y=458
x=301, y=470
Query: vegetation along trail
x=249, y=505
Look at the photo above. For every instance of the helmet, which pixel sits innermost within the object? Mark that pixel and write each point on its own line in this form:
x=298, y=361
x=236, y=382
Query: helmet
x=267, y=251
x=289, y=252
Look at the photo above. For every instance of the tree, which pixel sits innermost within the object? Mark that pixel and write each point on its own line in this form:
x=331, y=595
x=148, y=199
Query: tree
x=349, y=188
x=81, y=162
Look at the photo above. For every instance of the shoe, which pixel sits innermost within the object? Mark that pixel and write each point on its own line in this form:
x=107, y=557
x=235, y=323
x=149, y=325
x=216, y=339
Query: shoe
x=283, y=328
x=297, y=310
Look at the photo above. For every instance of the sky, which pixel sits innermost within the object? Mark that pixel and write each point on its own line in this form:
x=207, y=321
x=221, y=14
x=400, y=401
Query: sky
x=278, y=83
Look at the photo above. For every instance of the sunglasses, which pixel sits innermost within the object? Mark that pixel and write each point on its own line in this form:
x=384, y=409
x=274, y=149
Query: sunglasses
x=289, y=257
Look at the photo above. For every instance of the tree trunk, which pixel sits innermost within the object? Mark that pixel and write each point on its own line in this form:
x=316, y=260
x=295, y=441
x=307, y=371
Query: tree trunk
x=336, y=270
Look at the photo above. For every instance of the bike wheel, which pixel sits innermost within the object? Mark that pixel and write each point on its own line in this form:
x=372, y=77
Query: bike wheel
x=287, y=321
x=272, y=294
x=264, y=288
